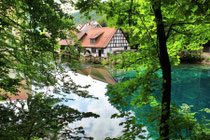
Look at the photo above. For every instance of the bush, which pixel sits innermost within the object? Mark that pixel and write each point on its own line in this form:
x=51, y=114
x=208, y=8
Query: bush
x=191, y=56
x=207, y=59
x=105, y=62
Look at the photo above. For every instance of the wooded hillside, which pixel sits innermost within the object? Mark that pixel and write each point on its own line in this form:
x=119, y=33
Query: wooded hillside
x=80, y=18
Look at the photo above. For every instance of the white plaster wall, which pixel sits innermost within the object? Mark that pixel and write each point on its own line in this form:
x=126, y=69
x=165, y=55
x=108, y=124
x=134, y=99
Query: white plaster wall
x=111, y=50
x=106, y=51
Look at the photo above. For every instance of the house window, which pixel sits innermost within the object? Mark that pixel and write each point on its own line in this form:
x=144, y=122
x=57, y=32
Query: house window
x=93, y=50
x=92, y=41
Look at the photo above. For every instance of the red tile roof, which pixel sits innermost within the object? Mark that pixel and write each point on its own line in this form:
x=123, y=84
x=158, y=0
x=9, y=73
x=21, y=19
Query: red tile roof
x=80, y=35
x=103, y=35
x=102, y=41
x=94, y=36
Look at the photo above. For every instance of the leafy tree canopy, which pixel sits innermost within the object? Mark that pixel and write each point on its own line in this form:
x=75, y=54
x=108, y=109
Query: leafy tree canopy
x=159, y=29
x=29, y=35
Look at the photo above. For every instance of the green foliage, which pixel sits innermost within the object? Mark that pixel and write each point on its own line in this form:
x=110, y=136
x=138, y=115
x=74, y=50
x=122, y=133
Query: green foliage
x=29, y=35
x=159, y=29
x=185, y=125
x=28, y=40
x=190, y=56
x=137, y=91
x=105, y=62
x=136, y=95
x=41, y=117
x=132, y=130
x=103, y=21
x=207, y=59
x=183, y=122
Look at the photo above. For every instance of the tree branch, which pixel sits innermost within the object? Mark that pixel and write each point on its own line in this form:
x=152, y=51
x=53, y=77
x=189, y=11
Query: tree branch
x=169, y=30
x=13, y=21
x=130, y=12
x=178, y=2
x=156, y=47
x=184, y=33
x=30, y=130
x=190, y=23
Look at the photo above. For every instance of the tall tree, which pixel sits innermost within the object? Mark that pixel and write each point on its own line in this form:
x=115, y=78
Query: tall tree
x=29, y=34
x=159, y=29
x=166, y=70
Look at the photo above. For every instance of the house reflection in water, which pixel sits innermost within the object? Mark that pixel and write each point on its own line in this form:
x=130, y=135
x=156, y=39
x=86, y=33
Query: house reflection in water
x=99, y=73
x=22, y=93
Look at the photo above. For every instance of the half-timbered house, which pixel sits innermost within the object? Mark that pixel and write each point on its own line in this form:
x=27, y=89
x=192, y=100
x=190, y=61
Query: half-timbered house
x=100, y=41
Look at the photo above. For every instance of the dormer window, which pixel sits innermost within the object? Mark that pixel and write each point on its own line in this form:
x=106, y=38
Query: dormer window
x=95, y=36
x=92, y=41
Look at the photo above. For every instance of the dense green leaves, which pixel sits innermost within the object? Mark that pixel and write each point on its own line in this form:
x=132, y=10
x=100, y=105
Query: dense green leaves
x=29, y=35
x=160, y=30
x=132, y=130
x=40, y=117
x=28, y=47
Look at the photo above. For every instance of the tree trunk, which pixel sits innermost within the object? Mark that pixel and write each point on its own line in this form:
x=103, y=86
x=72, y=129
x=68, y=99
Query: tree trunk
x=166, y=71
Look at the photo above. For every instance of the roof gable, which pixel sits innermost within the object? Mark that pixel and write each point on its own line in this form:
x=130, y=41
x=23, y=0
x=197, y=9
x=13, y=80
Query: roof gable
x=118, y=39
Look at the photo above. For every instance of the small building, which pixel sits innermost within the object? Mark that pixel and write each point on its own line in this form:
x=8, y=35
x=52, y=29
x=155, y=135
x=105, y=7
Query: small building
x=99, y=41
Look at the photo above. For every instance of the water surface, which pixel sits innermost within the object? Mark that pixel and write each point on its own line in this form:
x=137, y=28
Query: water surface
x=190, y=85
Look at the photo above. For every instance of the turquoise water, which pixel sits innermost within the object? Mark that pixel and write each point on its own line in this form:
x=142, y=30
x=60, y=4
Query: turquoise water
x=190, y=85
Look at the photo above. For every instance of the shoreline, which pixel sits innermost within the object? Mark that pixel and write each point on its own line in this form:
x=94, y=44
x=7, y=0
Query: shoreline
x=206, y=55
